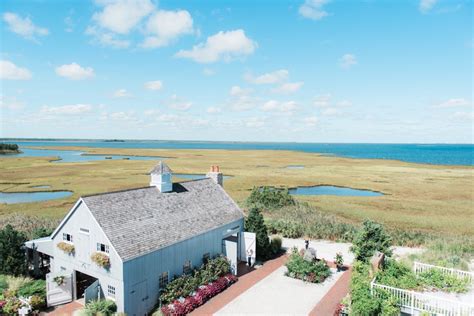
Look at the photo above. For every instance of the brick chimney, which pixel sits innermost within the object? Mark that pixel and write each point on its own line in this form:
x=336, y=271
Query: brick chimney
x=216, y=175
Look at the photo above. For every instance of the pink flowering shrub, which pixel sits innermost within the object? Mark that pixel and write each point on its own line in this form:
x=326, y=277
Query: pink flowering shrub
x=203, y=293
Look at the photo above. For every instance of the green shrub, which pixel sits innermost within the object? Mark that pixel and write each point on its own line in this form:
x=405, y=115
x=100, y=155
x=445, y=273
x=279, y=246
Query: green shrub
x=37, y=302
x=35, y=287
x=362, y=302
x=369, y=239
x=12, y=253
x=3, y=283
x=101, y=307
x=275, y=245
x=269, y=198
x=254, y=223
x=310, y=271
x=397, y=274
x=285, y=228
x=449, y=283
x=390, y=307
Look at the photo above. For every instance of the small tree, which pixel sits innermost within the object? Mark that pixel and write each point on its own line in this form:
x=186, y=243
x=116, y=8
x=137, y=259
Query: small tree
x=369, y=239
x=12, y=253
x=254, y=223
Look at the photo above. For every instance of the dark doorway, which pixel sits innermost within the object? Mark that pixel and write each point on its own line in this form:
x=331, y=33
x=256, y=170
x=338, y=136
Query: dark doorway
x=83, y=281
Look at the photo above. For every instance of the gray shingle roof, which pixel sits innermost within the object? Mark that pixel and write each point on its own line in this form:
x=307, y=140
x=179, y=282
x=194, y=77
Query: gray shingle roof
x=160, y=168
x=140, y=221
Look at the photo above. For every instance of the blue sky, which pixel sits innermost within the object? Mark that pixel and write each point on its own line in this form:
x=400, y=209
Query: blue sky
x=304, y=71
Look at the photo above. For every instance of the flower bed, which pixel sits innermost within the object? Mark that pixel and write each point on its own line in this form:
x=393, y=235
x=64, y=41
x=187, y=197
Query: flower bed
x=307, y=269
x=183, y=306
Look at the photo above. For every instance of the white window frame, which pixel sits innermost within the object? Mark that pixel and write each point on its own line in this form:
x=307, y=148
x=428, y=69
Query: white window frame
x=111, y=291
x=185, y=266
x=106, y=248
x=162, y=277
x=68, y=238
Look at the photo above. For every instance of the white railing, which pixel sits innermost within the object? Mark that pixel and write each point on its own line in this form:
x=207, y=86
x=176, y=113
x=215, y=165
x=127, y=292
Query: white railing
x=423, y=267
x=419, y=302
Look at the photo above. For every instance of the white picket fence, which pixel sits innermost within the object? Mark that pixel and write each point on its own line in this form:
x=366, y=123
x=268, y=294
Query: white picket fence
x=423, y=267
x=414, y=302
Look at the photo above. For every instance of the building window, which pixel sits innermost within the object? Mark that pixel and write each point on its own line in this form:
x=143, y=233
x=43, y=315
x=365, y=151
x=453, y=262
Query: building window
x=187, y=267
x=67, y=237
x=206, y=257
x=163, y=280
x=102, y=247
x=111, y=290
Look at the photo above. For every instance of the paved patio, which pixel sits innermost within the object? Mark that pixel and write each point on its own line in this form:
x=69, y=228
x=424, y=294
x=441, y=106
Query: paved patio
x=278, y=294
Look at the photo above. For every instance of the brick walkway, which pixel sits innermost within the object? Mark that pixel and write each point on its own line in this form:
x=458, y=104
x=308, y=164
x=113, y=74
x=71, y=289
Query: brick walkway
x=245, y=282
x=66, y=310
x=330, y=301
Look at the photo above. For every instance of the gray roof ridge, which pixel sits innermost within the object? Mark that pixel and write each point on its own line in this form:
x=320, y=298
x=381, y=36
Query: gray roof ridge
x=118, y=191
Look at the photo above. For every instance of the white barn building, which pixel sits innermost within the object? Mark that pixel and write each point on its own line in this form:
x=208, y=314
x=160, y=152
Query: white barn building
x=148, y=234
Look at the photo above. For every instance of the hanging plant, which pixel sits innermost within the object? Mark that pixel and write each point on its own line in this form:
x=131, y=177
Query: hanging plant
x=66, y=247
x=101, y=259
x=59, y=280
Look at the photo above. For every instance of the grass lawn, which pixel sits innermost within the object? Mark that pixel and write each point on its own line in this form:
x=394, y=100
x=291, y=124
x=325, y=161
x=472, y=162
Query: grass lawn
x=425, y=197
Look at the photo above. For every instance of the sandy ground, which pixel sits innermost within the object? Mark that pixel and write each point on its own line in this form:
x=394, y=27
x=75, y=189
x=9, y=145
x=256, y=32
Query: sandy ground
x=278, y=294
x=327, y=249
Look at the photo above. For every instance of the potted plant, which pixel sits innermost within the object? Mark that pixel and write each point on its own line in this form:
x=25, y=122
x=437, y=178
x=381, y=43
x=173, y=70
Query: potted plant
x=101, y=259
x=59, y=280
x=339, y=261
x=66, y=247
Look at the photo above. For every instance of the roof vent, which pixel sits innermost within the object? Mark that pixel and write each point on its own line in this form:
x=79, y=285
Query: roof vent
x=161, y=177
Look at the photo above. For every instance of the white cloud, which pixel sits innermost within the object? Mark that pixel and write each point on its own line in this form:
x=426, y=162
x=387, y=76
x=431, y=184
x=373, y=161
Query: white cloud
x=331, y=112
x=75, y=72
x=311, y=121
x=221, y=46
x=121, y=93
x=455, y=102
x=152, y=112
x=276, y=106
x=241, y=99
x=208, y=72
x=268, y=78
x=120, y=16
x=69, y=24
x=178, y=103
x=463, y=116
x=238, y=91
x=154, y=85
x=122, y=116
x=254, y=122
x=313, y=9
x=11, y=103
x=213, y=110
x=322, y=101
x=75, y=109
x=165, y=26
x=347, y=61
x=10, y=71
x=426, y=5
x=288, y=87
x=107, y=38
x=23, y=26
x=344, y=103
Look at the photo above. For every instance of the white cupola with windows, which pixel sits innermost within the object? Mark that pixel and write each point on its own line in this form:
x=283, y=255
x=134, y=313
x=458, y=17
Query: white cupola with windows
x=160, y=177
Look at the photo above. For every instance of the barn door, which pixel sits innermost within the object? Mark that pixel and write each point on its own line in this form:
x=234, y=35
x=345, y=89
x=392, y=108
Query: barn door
x=139, y=297
x=57, y=294
x=83, y=244
x=93, y=292
x=229, y=248
x=247, y=246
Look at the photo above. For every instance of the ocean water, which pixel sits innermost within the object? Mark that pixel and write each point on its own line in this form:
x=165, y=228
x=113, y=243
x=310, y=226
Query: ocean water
x=439, y=154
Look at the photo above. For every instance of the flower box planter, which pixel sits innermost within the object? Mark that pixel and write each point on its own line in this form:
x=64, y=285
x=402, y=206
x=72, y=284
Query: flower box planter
x=66, y=247
x=101, y=259
x=183, y=306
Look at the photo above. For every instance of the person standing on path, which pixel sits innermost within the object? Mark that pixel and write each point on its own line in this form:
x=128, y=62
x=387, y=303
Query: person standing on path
x=306, y=244
x=249, y=257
